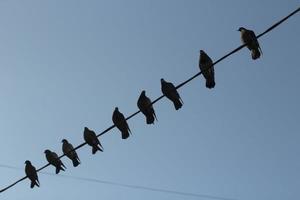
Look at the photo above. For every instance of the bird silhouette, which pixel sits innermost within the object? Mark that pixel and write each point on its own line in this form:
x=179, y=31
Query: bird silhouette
x=248, y=37
x=31, y=173
x=54, y=160
x=144, y=104
x=207, y=69
x=69, y=151
x=91, y=139
x=121, y=123
x=169, y=90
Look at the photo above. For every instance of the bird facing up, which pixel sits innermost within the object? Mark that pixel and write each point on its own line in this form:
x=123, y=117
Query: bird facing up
x=91, y=139
x=207, y=69
x=145, y=106
x=31, y=173
x=169, y=90
x=121, y=123
x=54, y=160
x=69, y=151
x=248, y=37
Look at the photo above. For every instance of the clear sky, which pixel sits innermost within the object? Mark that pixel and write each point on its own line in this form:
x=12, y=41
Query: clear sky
x=67, y=64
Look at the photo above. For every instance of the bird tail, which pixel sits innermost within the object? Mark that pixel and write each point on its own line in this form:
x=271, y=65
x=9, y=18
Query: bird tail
x=33, y=183
x=255, y=53
x=210, y=83
x=58, y=168
x=125, y=134
x=62, y=164
x=177, y=104
x=101, y=147
x=154, y=115
x=96, y=148
x=75, y=162
x=150, y=119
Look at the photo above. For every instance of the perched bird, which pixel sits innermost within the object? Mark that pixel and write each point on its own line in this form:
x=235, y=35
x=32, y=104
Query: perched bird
x=31, y=173
x=54, y=160
x=144, y=104
x=169, y=90
x=121, y=123
x=207, y=69
x=68, y=149
x=92, y=140
x=248, y=37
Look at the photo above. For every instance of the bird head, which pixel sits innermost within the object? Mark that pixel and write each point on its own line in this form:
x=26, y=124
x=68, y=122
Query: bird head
x=47, y=151
x=86, y=129
x=27, y=162
x=116, y=109
x=64, y=141
x=241, y=29
x=201, y=51
x=143, y=92
x=162, y=80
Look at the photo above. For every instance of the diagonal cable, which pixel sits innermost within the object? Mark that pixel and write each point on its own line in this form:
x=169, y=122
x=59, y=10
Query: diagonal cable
x=131, y=186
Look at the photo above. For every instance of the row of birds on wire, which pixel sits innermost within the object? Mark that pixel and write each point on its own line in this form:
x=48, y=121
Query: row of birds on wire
x=145, y=105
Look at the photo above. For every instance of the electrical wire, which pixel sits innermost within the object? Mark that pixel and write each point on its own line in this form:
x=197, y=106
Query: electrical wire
x=131, y=186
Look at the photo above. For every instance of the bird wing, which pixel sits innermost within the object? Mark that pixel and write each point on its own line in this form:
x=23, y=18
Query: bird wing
x=64, y=148
x=173, y=90
x=34, y=173
x=54, y=155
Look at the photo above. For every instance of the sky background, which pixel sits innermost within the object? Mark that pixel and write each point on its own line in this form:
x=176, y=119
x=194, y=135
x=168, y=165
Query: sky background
x=67, y=64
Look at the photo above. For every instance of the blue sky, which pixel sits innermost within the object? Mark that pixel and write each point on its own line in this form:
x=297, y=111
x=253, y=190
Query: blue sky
x=67, y=64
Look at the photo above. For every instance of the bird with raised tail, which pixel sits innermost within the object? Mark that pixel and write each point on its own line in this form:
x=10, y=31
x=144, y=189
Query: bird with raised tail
x=248, y=37
x=207, y=69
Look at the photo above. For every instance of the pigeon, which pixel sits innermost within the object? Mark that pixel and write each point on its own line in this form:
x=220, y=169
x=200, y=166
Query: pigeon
x=92, y=140
x=68, y=149
x=248, y=37
x=207, y=69
x=121, y=123
x=31, y=173
x=54, y=160
x=144, y=104
x=169, y=90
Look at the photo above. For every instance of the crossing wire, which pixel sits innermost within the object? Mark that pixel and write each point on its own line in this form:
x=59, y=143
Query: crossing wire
x=131, y=186
x=177, y=87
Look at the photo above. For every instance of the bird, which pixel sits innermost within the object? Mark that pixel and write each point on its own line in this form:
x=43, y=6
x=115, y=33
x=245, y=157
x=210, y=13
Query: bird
x=248, y=37
x=54, y=160
x=169, y=90
x=145, y=106
x=31, y=173
x=69, y=151
x=92, y=140
x=207, y=69
x=121, y=123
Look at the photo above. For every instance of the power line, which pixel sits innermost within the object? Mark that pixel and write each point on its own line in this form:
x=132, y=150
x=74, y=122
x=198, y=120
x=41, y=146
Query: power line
x=179, y=86
x=131, y=186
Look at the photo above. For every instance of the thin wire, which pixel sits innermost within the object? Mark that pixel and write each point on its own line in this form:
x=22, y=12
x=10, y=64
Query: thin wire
x=138, y=187
x=179, y=86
